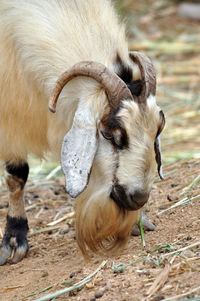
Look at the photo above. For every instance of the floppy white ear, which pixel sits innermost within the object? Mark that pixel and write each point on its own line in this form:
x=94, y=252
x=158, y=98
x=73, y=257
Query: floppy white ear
x=78, y=150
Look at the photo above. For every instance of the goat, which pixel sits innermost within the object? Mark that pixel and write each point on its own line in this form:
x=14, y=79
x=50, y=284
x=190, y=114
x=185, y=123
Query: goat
x=107, y=123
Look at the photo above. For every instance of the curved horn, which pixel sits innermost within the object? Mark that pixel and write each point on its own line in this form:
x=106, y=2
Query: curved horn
x=147, y=72
x=115, y=88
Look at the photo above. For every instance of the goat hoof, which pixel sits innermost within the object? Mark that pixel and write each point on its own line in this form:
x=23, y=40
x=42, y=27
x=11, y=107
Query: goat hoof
x=147, y=225
x=20, y=252
x=5, y=253
x=13, y=250
x=14, y=245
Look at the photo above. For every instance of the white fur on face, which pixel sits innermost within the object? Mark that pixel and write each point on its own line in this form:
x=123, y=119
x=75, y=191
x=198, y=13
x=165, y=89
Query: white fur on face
x=151, y=101
x=136, y=164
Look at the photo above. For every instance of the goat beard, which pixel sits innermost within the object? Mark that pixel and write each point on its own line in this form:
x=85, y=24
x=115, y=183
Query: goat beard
x=101, y=225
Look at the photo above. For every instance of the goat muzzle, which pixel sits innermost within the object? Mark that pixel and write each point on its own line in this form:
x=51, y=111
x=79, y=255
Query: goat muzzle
x=128, y=201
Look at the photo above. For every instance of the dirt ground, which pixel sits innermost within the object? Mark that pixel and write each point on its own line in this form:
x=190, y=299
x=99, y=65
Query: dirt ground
x=54, y=261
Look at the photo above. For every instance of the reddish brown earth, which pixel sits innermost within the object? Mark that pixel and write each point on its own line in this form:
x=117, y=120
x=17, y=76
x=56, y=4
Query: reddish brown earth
x=54, y=256
x=54, y=259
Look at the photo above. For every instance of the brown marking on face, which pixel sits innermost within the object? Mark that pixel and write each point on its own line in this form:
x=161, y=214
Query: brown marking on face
x=125, y=72
x=112, y=130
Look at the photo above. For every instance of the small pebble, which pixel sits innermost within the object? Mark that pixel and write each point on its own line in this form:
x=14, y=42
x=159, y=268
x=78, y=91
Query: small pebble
x=73, y=293
x=98, y=294
x=93, y=299
x=174, y=185
x=158, y=298
x=189, y=10
x=107, y=288
x=72, y=275
x=64, y=230
x=45, y=274
x=170, y=199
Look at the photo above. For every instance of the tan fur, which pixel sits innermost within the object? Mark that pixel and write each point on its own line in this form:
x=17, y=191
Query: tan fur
x=38, y=41
x=141, y=126
x=16, y=196
x=34, y=52
x=100, y=225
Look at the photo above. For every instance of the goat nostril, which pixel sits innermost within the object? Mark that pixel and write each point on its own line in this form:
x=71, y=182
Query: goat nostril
x=140, y=198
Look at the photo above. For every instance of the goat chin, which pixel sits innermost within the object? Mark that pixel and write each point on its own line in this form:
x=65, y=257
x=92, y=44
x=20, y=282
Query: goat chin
x=101, y=225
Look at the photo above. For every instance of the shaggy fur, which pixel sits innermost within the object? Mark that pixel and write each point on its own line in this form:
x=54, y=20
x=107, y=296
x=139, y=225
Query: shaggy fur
x=38, y=41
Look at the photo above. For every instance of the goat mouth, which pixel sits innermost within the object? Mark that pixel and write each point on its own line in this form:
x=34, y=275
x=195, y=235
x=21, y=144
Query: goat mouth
x=127, y=201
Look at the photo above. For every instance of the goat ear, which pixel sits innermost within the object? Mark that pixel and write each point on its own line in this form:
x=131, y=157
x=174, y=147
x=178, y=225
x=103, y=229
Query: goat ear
x=158, y=157
x=78, y=151
x=157, y=144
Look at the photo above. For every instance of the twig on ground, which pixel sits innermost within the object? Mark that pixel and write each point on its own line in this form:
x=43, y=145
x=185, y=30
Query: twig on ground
x=53, y=172
x=121, y=267
x=7, y=289
x=160, y=279
x=39, y=213
x=36, y=293
x=181, y=203
x=73, y=287
x=28, y=208
x=177, y=297
x=194, y=182
x=192, y=299
x=43, y=230
x=157, y=179
x=67, y=216
x=167, y=247
x=186, y=265
x=183, y=249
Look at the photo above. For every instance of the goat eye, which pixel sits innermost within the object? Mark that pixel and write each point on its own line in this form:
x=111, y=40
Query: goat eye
x=106, y=135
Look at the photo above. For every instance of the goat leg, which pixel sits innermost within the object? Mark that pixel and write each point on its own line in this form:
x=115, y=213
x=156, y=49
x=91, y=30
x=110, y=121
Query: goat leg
x=14, y=243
